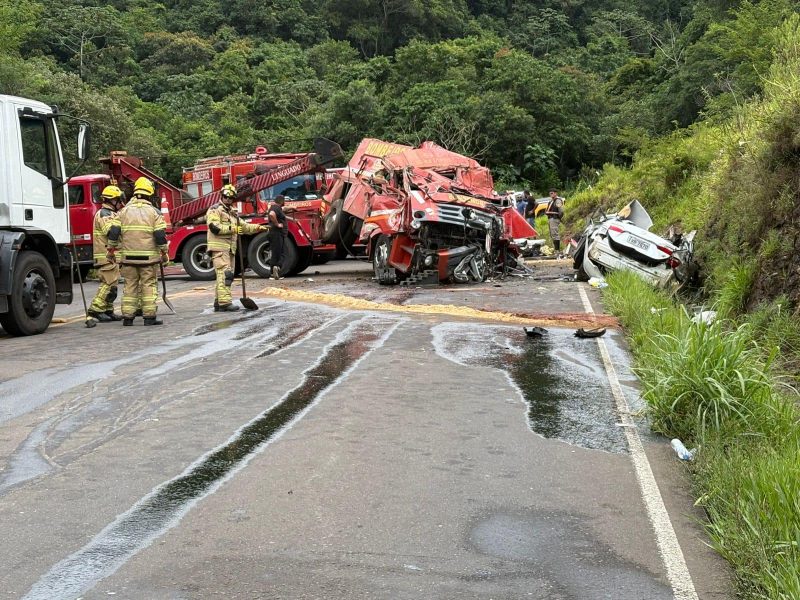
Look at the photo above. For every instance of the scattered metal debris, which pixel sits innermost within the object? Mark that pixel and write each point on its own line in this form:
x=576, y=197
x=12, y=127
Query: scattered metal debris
x=535, y=331
x=590, y=333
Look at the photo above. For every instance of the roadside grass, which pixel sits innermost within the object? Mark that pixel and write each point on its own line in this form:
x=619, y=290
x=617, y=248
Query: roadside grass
x=715, y=387
x=540, y=225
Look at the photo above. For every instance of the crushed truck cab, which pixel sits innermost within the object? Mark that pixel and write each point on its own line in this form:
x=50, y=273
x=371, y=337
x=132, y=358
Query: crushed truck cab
x=425, y=213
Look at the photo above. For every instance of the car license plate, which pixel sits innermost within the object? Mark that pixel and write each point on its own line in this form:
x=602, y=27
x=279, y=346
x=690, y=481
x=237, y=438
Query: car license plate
x=636, y=242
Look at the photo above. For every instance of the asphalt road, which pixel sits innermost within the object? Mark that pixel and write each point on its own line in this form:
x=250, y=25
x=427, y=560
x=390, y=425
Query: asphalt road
x=345, y=441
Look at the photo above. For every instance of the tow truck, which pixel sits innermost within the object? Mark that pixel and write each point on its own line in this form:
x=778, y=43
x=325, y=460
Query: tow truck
x=259, y=177
x=35, y=259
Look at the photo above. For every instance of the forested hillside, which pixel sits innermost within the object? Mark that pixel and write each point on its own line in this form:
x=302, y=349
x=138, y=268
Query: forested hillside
x=544, y=92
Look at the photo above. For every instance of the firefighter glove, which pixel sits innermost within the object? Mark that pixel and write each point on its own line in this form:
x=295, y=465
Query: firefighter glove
x=111, y=255
x=263, y=227
x=164, y=257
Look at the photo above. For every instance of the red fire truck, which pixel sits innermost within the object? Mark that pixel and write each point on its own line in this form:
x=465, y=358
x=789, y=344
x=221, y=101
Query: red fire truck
x=259, y=178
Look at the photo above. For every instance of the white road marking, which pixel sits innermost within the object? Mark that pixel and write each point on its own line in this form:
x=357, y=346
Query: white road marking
x=677, y=572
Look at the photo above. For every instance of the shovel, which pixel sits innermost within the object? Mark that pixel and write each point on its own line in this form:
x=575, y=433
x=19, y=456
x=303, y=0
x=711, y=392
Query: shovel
x=167, y=303
x=90, y=322
x=248, y=303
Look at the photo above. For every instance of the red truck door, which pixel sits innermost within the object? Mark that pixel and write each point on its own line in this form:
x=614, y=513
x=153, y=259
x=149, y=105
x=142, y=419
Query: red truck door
x=84, y=202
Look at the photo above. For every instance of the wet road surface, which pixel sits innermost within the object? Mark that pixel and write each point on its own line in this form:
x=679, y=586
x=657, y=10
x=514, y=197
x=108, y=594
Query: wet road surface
x=320, y=451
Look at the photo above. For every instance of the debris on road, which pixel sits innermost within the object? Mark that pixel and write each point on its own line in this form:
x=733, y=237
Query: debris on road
x=598, y=282
x=535, y=332
x=590, y=333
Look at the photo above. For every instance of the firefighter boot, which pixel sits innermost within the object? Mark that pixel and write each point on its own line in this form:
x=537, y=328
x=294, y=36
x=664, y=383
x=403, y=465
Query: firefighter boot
x=127, y=321
x=225, y=308
x=153, y=321
x=100, y=316
x=111, y=316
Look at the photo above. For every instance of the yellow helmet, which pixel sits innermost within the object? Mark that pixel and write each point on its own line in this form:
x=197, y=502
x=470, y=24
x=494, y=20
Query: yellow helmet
x=229, y=191
x=143, y=187
x=111, y=192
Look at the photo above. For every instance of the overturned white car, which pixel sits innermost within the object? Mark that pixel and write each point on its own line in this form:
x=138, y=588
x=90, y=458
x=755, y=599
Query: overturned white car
x=622, y=240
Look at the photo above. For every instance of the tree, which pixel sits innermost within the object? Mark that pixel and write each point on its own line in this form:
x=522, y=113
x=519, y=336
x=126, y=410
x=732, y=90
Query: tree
x=17, y=21
x=82, y=33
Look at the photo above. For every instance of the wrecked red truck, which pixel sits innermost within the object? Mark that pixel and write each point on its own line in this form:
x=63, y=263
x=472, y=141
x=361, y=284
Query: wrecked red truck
x=424, y=214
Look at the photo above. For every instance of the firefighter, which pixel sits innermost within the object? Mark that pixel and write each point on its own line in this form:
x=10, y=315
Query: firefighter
x=141, y=238
x=102, y=307
x=224, y=225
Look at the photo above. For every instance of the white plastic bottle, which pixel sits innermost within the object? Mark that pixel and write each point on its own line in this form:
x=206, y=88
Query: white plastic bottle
x=681, y=450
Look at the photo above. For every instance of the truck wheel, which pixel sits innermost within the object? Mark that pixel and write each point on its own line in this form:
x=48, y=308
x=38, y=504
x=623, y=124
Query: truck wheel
x=197, y=260
x=330, y=226
x=33, y=296
x=322, y=258
x=305, y=256
x=385, y=274
x=259, y=253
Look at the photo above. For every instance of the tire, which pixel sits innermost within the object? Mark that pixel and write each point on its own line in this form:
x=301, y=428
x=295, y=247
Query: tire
x=258, y=254
x=321, y=259
x=330, y=226
x=33, y=296
x=384, y=274
x=196, y=260
x=305, y=256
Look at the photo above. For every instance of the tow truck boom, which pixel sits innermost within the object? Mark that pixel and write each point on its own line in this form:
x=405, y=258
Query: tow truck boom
x=325, y=151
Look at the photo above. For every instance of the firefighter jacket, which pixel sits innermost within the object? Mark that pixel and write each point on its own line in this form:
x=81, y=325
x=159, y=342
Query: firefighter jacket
x=104, y=219
x=141, y=236
x=222, y=222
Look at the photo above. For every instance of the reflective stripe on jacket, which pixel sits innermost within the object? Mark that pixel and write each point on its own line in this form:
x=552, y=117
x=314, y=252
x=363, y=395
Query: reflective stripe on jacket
x=104, y=219
x=222, y=222
x=143, y=233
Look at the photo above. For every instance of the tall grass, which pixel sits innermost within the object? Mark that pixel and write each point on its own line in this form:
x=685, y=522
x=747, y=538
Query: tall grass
x=714, y=386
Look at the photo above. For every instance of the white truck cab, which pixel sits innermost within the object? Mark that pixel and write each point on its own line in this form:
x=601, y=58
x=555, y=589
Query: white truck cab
x=35, y=260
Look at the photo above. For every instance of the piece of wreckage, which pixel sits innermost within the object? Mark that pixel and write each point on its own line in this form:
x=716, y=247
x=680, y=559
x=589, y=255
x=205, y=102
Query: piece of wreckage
x=425, y=214
x=623, y=240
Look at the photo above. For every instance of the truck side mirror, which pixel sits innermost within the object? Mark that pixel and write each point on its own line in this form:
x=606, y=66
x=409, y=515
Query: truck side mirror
x=83, y=141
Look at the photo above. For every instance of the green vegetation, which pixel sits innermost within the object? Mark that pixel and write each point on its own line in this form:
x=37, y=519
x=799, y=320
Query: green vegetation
x=543, y=92
x=714, y=387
